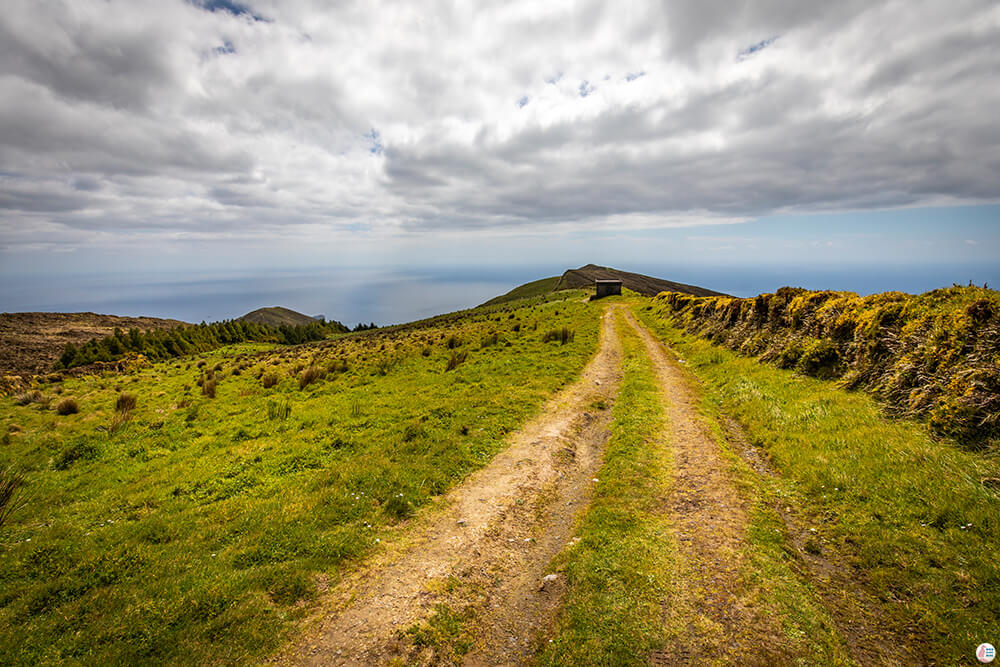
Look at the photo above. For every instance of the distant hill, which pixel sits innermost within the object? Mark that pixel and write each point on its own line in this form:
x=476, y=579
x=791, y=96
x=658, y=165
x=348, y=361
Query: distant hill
x=275, y=316
x=586, y=275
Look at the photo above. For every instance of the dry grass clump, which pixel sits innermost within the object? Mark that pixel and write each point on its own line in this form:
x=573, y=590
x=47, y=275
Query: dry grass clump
x=268, y=380
x=126, y=402
x=310, y=375
x=208, y=388
x=11, y=496
x=563, y=335
x=67, y=406
x=455, y=359
x=28, y=397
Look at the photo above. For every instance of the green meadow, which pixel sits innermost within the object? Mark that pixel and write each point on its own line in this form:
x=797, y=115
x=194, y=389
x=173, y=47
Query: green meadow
x=190, y=510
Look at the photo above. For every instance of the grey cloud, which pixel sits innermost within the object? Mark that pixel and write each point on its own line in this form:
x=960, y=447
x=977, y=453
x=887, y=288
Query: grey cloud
x=119, y=118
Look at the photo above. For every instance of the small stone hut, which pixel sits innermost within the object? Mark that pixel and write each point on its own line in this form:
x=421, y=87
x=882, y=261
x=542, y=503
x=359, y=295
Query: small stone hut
x=608, y=287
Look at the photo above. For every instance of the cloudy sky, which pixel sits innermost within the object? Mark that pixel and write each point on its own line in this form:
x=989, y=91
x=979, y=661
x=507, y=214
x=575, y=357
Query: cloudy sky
x=174, y=134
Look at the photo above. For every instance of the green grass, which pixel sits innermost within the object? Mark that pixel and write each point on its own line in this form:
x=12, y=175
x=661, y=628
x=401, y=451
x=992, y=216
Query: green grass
x=618, y=571
x=527, y=290
x=910, y=512
x=195, y=530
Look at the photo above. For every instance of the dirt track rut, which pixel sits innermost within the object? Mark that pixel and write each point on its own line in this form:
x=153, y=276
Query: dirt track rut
x=707, y=613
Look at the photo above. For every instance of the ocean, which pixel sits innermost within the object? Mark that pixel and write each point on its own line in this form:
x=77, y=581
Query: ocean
x=402, y=294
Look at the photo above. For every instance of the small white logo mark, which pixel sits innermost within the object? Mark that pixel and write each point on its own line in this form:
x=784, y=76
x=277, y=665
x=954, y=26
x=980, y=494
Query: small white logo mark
x=985, y=652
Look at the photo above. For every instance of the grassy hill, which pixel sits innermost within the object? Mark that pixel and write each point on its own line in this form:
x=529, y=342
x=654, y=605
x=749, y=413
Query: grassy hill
x=584, y=277
x=276, y=316
x=534, y=288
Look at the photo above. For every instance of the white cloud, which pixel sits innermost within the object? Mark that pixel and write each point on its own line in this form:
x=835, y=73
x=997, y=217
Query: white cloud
x=140, y=120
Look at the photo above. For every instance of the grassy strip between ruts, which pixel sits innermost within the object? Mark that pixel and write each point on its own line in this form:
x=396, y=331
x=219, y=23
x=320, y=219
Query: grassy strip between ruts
x=917, y=517
x=197, y=528
x=617, y=572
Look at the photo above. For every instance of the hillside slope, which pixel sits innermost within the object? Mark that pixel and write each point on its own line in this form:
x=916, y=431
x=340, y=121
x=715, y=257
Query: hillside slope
x=275, y=316
x=30, y=343
x=534, y=288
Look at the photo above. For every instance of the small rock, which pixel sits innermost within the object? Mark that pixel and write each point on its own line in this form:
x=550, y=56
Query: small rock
x=461, y=522
x=546, y=580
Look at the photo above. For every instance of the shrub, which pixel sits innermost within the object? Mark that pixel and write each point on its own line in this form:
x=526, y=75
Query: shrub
x=268, y=380
x=490, y=340
x=67, y=406
x=126, y=402
x=452, y=342
x=821, y=360
x=789, y=356
x=386, y=363
x=309, y=375
x=209, y=388
x=455, y=359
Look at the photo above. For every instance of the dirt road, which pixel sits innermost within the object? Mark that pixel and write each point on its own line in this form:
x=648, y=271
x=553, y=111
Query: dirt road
x=465, y=583
x=481, y=556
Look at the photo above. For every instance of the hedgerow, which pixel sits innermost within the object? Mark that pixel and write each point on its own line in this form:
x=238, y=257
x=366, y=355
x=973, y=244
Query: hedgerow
x=934, y=356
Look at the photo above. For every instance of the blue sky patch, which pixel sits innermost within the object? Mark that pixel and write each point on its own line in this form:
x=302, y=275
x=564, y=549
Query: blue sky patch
x=586, y=88
x=230, y=6
x=755, y=48
x=374, y=138
x=523, y=102
x=632, y=76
